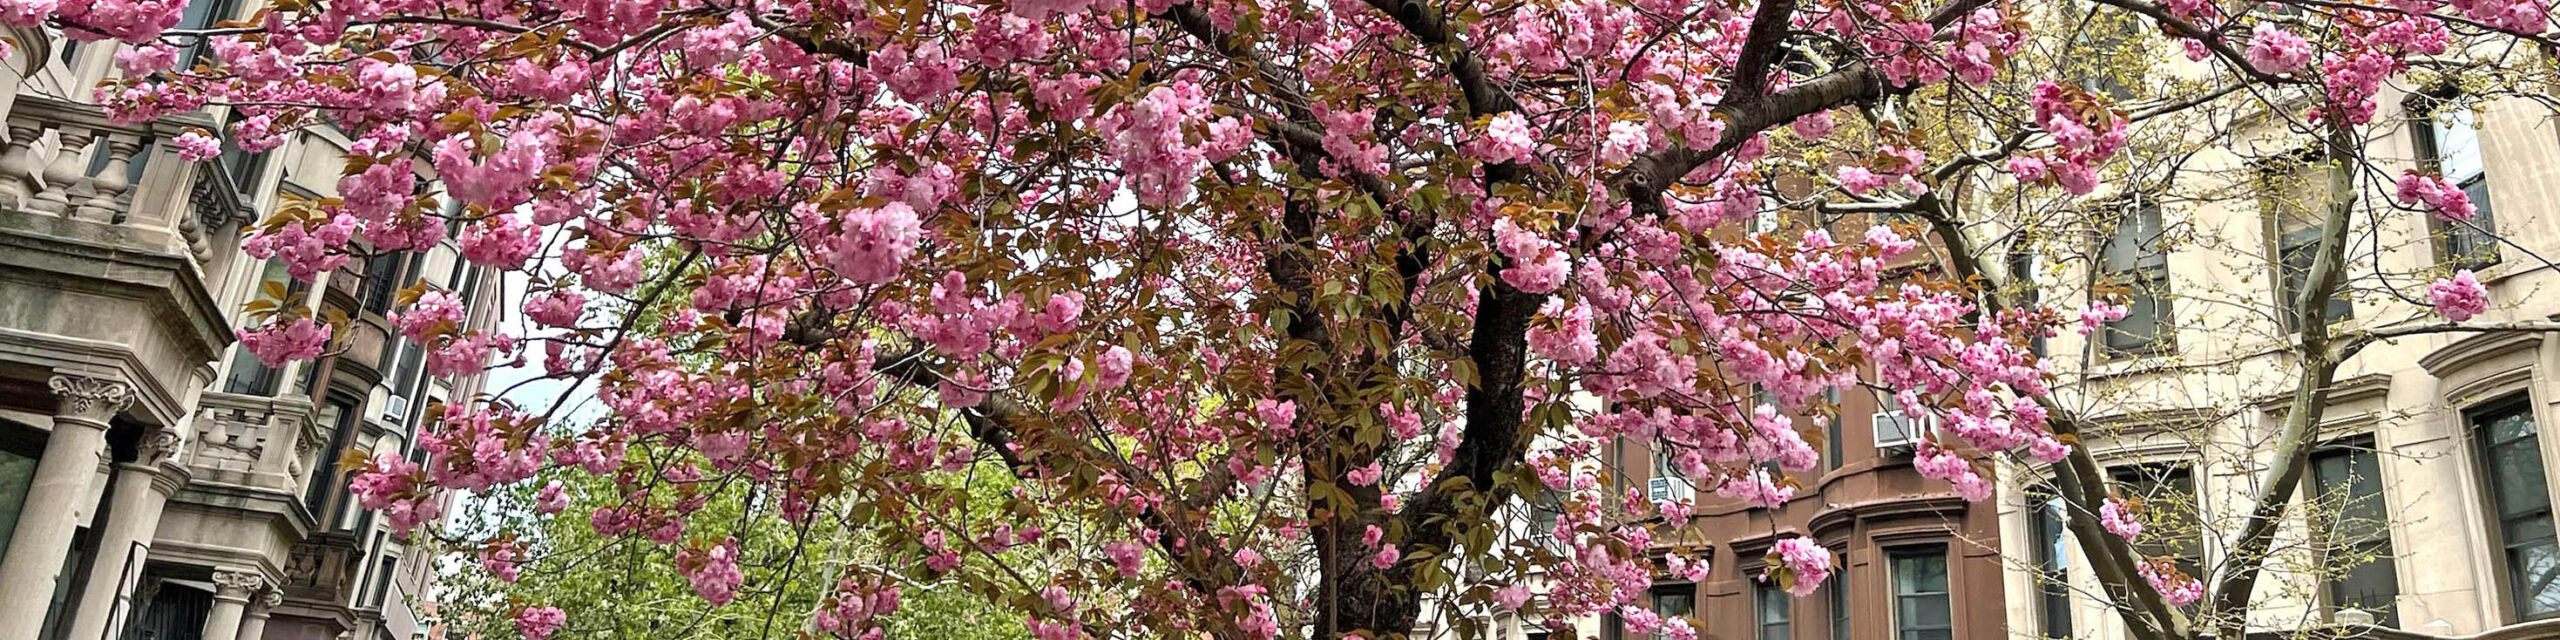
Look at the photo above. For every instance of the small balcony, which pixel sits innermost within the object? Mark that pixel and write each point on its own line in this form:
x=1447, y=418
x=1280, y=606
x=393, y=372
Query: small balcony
x=253, y=441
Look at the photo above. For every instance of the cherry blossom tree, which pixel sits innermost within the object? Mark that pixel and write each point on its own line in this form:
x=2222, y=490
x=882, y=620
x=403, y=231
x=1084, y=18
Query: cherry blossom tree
x=1256, y=313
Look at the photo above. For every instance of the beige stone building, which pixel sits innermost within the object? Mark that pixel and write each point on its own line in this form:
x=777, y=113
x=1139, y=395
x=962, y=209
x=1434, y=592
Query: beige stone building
x=156, y=482
x=2428, y=503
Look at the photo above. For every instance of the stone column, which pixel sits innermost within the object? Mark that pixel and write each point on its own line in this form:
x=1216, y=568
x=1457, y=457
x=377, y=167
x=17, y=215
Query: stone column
x=231, y=591
x=255, y=626
x=142, y=488
x=46, y=522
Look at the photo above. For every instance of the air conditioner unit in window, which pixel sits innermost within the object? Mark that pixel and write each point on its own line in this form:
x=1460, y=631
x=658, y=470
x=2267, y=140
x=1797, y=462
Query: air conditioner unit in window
x=395, y=410
x=1665, y=488
x=1899, y=431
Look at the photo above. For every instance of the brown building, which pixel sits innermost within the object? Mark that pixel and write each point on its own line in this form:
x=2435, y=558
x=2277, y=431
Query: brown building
x=1913, y=560
x=1917, y=562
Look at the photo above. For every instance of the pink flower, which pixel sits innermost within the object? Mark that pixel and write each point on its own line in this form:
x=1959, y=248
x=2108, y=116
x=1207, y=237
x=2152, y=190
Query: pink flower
x=2460, y=297
x=2274, y=50
x=875, y=243
x=1385, y=558
x=1366, y=476
x=713, y=571
x=537, y=623
x=1538, y=264
x=1127, y=556
x=500, y=560
x=1511, y=598
x=504, y=241
x=1861, y=181
x=281, y=340
x=556, y=308
x=1112, y=368
x=143, y=60
x=2173, y=584
x=2119, y=518
x=195, y=146
x=1803, y=559
x=2435, y=194
x=1507, y=138
x=2097, y=314
x=552, y=499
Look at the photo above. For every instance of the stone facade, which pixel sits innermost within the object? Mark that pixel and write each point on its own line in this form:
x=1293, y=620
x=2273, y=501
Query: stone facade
x=156, y=482
x=2426, y=509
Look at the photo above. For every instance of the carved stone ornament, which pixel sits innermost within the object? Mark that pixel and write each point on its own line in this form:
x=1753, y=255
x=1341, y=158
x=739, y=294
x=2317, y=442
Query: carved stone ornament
x=237, y=583
x=160, y=445
x=90, y=398
x=268, y=599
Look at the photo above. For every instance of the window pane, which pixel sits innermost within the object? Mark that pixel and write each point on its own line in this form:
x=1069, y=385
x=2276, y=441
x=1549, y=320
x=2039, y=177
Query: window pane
x=16, y=473
x=2144, y=311
x=2537, y=580
x=2053, y=560
x=2518, y=484
x=1920, y=594
x=2457, y=144
x=1839, y=589
x=2373, y=585
x=1774, y=611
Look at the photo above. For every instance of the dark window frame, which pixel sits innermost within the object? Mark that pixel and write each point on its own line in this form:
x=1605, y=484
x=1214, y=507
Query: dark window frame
x=2049, y=518
x=2488, y=447
x=1660, y=594
x=2470, y=245
x=1907, y=597
x=1767, y=598
x=2141, y=272
x=1839, y=596
x=2362, y=535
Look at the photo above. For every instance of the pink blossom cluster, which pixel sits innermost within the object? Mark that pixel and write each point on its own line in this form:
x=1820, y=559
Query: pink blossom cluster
x=499, y=559
x=2435, y=194
x=284, y=338
x=2120, y=518
x=856, y=609
x=2275, y=50
x=713, y=571
x=538, y=623
x=2458, y=297
x=1806, y=563
x=2085, y=133
x=2174, y=585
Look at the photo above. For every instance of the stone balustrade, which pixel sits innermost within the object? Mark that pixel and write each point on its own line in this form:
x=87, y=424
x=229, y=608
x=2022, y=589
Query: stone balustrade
x=253, y=441
x=67, y=161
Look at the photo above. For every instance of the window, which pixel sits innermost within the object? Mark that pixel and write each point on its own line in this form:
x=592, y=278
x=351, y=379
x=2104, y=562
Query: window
x=2511, y=460
x=2171, y=527
x=248, y=376
x=382, y=573
x=200, y=14
x=2295, y=201
x=20, y=447
x=1674, y=602
x=2053, y=561
x=384, y=275
x=1771, y=601
x=338, y=418
x=1839, y=589
x=2448, y=144
x=2022, y=280
x=1831, y=431
x=1921, y=610
x=2356, y=525
x=2138, y=269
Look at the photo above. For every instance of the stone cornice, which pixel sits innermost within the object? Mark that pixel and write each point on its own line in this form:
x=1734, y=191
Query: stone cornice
x=2476, y=348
